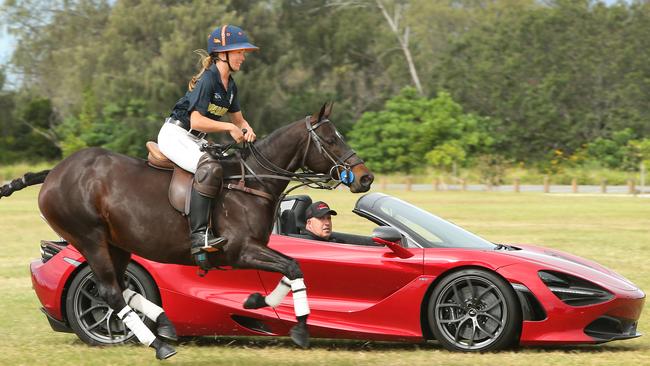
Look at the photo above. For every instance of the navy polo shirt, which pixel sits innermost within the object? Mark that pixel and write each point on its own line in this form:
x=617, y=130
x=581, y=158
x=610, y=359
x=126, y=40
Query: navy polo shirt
x=209, y=97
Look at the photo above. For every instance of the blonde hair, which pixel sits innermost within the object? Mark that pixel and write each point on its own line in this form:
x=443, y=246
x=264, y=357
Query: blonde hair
x=205, y=62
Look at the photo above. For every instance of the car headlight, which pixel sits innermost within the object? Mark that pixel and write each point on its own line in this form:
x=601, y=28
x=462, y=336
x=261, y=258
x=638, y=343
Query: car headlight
x=574, y=291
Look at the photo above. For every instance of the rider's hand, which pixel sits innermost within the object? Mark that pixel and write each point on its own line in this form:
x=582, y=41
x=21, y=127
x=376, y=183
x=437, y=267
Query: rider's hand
x=250, y=134
x=236, y=134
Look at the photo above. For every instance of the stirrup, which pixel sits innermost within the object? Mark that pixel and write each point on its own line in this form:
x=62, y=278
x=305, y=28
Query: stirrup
x=215, y=245
x=212, y=247
x=208, y=247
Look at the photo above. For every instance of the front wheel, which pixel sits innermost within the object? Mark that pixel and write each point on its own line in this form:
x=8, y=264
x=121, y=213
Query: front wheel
x=92, y=319
x=474, y=310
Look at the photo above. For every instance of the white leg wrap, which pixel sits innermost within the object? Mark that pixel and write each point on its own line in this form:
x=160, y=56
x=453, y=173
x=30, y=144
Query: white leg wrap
x=133, y=322
x=141, y=304
x=281, y=290
x=300, y=305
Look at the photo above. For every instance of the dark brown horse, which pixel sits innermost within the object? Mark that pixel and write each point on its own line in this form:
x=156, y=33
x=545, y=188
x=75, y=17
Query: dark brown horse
x=110, y=206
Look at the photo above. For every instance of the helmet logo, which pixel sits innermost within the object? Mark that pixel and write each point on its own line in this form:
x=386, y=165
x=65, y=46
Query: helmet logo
x=216, y=40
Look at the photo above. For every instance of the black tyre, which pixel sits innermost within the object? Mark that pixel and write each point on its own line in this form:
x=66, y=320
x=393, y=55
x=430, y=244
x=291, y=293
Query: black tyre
x=474, y=310
x=90, y=316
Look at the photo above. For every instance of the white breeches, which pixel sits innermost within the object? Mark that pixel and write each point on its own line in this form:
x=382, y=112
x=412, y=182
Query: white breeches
x=180, y=146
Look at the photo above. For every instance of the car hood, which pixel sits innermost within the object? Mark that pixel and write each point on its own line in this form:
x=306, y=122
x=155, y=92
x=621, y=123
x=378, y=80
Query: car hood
x=560, y=261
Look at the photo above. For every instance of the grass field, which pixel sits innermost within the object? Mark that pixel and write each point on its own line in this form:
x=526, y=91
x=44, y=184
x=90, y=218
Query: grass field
x=612, y=230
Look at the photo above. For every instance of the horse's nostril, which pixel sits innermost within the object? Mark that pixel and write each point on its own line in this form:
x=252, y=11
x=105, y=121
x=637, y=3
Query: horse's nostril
x=366, y=180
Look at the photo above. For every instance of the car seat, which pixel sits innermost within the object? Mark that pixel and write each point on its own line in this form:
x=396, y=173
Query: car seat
x=293, y=221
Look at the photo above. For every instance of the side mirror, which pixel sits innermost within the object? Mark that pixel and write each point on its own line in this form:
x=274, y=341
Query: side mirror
x=391, y=238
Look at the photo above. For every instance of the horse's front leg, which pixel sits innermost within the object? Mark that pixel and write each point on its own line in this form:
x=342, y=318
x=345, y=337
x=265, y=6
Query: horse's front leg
x=267, y=259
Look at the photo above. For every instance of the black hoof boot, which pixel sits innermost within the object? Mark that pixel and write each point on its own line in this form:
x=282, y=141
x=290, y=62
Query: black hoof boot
x=255, y=301
x=163, y=350
x=166, y=329
x=300, y=335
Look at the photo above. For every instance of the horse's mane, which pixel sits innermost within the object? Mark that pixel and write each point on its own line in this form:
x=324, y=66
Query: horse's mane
x=262, y=143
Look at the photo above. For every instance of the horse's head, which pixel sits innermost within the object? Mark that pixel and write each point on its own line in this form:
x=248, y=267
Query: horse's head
x=328, y=153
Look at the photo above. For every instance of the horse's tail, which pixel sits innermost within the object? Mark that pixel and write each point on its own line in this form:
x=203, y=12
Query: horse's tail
x=29, y=179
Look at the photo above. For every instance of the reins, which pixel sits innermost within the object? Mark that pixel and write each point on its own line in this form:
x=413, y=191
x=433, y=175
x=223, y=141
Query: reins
x=305, y=178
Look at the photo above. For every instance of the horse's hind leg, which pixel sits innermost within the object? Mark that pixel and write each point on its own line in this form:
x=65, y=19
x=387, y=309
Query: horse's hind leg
x=267, y=259
x=109, y=265
x=165, y=328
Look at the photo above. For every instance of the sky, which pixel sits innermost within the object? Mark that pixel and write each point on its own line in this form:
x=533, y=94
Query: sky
x=6, y=45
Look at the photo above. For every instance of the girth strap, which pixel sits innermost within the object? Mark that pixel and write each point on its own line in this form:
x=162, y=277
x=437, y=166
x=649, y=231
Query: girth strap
x=242, y=187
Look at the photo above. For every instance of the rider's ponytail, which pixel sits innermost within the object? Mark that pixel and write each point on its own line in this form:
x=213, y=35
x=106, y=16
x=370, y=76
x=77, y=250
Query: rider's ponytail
x=205, y=62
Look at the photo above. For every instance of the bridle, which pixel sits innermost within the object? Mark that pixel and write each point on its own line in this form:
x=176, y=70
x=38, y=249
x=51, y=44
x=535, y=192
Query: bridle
x=344, y=175
x=306, y=177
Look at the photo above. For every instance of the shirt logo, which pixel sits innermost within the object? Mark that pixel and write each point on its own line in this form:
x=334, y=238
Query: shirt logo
x=217, y=96
x=217, y=110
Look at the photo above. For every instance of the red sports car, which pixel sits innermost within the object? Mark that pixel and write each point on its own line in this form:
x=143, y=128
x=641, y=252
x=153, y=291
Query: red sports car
x=438, y=282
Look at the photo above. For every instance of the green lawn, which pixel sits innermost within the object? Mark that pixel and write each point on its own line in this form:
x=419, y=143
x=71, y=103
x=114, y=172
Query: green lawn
x=612, y=230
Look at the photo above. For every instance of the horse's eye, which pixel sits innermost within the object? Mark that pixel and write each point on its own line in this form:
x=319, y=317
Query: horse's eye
x=329, y=141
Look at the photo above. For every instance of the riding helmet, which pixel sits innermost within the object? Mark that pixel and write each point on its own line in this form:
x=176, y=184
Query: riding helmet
x=229, y=38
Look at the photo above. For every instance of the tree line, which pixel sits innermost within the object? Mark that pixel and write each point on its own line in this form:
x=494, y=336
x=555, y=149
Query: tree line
x=416, y=84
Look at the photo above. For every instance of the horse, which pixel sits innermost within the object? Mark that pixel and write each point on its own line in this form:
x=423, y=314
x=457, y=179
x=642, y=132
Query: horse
x=110, y=206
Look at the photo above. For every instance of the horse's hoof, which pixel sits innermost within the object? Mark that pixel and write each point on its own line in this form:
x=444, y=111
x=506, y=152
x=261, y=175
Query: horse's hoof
x=163, y=350
x=300, y=335
x=255, y=301
x=166, y=329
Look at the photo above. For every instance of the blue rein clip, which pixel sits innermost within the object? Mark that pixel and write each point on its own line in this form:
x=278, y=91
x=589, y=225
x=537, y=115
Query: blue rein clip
x=347, y=177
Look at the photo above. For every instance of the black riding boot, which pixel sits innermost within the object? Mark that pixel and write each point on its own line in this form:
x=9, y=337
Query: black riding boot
x=202, y=238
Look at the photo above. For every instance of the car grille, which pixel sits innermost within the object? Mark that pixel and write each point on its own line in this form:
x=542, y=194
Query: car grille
x=50, y=248
x=607, y=328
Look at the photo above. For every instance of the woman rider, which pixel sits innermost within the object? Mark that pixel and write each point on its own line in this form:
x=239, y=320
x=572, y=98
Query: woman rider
x=212, y=93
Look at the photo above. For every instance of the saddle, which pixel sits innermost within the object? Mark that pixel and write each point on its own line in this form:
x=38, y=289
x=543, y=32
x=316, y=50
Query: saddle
x=180, y=186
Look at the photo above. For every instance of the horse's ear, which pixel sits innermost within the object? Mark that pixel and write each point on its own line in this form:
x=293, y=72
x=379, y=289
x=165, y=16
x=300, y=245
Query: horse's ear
x=322, y=112
x=328, y=109
x=325, y=111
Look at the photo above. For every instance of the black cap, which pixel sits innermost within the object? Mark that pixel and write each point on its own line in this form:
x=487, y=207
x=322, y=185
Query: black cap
x=318, y=209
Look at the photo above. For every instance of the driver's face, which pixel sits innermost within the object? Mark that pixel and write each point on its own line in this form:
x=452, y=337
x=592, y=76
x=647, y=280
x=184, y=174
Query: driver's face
x=320, y=226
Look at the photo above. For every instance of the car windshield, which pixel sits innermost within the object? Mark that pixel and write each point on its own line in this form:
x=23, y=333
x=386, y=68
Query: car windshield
x=434, y=230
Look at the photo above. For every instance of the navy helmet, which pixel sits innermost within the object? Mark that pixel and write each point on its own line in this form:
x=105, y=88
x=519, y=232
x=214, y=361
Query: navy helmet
x=229, y=38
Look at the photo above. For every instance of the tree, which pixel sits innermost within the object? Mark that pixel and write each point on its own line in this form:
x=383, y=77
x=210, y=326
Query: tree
x=396, y=23
x=412, y=131
x=556, y=77
x=613, y=152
